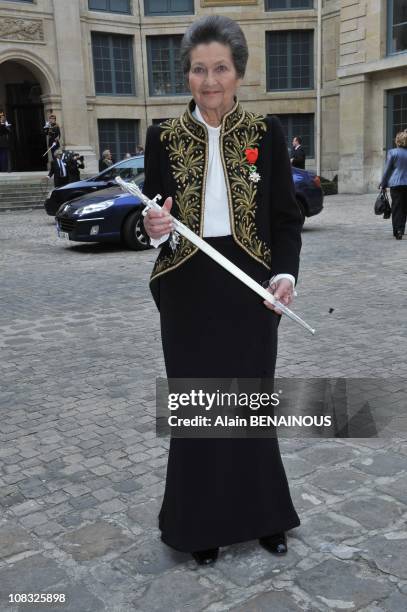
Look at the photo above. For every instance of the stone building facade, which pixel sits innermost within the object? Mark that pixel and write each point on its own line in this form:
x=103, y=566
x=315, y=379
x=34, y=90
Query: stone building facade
x=334, y=71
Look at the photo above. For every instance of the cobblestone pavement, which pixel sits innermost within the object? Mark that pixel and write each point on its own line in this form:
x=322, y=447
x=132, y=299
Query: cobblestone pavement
x=82, y=472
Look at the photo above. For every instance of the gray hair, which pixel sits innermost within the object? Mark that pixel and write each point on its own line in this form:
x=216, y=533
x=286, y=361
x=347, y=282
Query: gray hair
x=215, y=28
x=401, y=139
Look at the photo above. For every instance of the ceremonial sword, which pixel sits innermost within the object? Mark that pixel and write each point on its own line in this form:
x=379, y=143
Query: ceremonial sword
x=204, y=246
x=48, y=150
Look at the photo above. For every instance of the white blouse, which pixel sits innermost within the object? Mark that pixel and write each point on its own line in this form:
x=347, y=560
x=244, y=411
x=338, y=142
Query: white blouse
x=216, y=207
x=216, y=211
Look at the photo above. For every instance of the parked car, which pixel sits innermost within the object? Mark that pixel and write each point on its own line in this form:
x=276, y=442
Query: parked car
x=308, y=190
x=128, y=169
x=111, y=215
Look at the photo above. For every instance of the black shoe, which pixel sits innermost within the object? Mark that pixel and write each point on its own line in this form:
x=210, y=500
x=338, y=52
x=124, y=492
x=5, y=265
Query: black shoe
x=276, y=543
x=206, y=557
x=398, y=235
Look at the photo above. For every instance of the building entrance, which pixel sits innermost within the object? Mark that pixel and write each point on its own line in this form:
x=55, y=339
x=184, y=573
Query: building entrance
x=20, y=98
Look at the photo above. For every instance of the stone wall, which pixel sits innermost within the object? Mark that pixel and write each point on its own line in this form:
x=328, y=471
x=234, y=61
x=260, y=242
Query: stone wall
x=365, y=75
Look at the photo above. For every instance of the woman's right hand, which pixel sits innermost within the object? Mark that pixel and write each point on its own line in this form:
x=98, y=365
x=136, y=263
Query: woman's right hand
x=158, y=223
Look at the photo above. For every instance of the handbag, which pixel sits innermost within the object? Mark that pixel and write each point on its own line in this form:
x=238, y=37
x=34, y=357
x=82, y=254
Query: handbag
x=382, y=205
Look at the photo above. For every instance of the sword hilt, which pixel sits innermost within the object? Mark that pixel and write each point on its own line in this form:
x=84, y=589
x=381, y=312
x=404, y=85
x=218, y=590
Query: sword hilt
x=136, y=191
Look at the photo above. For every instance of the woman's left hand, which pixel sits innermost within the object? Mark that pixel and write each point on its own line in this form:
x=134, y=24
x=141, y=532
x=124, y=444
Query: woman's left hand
x=283, y=291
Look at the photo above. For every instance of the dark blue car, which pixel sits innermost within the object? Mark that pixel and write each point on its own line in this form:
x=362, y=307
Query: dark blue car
x=111, y=215
x=107, y=215
x=127, y=169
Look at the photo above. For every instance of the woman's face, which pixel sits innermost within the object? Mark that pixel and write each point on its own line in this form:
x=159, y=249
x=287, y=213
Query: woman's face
x=213, y=80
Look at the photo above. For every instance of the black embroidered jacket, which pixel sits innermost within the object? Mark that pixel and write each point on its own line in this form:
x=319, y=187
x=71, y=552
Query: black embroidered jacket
x=265, y=218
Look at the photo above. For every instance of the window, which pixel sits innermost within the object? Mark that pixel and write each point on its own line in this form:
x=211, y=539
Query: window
x=300, y=125
x=164, y=66
x=396, y=114
x=289, y=59
x=285, y=5
x=121, y=136
x=113, y=64
x=110, y=6
x=397, y=26
x=169, y=7
x=128, y=170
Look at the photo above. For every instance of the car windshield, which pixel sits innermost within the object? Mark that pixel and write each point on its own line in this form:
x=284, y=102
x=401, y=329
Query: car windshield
x=128, y=170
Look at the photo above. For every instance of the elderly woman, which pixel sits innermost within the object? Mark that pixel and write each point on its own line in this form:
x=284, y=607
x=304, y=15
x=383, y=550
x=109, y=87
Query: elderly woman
x=221, y=491
x=106, y=160
x=395, y=177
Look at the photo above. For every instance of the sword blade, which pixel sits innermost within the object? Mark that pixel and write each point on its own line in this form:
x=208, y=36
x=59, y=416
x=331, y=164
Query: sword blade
x=238, y=273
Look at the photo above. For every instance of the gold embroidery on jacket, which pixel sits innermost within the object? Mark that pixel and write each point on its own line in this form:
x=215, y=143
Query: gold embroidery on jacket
x=242, y=191
x=186, y=142
x=188, y=166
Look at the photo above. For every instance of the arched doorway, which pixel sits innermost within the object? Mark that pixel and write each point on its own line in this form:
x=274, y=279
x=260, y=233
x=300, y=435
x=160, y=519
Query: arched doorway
x=20, y=97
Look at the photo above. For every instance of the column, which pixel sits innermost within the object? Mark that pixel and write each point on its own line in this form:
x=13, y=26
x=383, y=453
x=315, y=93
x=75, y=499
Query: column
x=72, y=77
x=353, y=105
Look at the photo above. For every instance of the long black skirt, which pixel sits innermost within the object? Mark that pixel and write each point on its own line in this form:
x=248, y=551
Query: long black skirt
x=220, y=491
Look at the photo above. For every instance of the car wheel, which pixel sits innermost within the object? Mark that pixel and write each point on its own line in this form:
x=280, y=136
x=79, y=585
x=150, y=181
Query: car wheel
x=133, y=235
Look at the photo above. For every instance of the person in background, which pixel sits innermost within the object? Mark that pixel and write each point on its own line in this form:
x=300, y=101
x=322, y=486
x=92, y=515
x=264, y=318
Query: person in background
x=74, y=164
x=5, y=142
x=53, y=133
x=140, y=150
x=106, y=160
x=297, y=153
x=58, y=170
x=395, y=177
x=128, y=156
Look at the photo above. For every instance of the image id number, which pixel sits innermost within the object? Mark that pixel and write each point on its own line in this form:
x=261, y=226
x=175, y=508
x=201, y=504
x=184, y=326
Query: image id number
x=36, y=597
